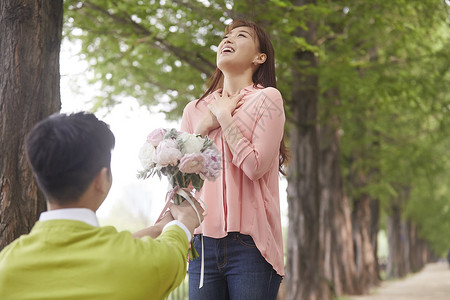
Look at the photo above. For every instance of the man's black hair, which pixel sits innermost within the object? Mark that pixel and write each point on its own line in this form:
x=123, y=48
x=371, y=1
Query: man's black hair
x=66, y=152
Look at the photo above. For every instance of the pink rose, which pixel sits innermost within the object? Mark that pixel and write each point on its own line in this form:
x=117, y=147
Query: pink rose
x=167, y=153
x=192, y=163
x=213, y=164
x=156, y=136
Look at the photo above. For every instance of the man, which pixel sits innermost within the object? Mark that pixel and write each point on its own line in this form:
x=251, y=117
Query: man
x=67, y=255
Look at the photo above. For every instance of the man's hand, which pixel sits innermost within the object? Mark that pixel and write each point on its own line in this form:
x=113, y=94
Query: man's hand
x=155, y=230
x=186, y=214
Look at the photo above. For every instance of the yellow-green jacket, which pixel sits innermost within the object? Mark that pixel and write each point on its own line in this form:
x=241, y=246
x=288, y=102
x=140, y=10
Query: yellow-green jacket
x=67, y=259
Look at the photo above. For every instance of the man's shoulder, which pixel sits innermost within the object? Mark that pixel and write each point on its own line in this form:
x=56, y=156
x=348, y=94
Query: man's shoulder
x=5, y=251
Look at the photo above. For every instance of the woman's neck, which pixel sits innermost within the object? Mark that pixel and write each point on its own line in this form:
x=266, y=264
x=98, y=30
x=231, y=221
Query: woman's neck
x=233, y=84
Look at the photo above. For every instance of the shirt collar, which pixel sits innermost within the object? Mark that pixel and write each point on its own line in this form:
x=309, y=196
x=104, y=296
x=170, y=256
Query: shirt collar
x=251, y=88
x=78, y=214
x=247, y=90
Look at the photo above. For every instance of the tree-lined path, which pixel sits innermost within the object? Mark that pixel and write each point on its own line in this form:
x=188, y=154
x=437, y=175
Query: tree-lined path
x=367, y=99
x=432, y=283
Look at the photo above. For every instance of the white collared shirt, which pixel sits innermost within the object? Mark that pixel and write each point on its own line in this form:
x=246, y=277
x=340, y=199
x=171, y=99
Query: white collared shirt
x=89, y=217
x=77, y=214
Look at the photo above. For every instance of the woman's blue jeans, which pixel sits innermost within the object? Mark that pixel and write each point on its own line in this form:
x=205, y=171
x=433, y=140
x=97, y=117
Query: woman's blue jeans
x=234, y=269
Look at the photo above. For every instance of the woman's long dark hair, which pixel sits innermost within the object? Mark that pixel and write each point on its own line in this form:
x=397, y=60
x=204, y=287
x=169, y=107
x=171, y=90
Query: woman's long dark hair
x=264, y=75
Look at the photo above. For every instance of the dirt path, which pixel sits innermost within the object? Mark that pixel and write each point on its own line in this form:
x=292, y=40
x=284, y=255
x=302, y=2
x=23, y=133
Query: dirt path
x=432, y=283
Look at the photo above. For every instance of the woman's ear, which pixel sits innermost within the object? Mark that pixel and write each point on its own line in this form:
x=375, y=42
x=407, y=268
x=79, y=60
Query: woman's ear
x=260, y=59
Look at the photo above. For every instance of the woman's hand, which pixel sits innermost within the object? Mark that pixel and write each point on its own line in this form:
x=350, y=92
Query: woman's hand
x=224, y=106
x=206, y=124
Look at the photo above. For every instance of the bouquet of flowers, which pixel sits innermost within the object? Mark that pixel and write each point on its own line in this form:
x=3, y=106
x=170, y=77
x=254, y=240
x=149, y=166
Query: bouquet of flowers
x=186, y=159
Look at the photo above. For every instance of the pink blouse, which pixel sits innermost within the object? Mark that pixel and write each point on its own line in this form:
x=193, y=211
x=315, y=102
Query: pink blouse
x=245, y=198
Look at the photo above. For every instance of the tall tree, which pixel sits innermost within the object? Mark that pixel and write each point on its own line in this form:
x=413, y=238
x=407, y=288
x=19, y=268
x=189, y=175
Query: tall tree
x=336, y=223
x=305, y=251
x=335, y=213
x=30, y=36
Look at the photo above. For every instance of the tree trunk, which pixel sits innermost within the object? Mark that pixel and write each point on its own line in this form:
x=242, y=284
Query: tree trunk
x=374, y=228
x=405, y=228
x=428, y=254
x=304, y=267
x=396, y=264
x=364, y=253
x=416, y=261
x=398, y=236
x=336, y=225
x=30, y=37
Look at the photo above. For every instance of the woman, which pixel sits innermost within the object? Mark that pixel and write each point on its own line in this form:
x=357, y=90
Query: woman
x=242, y=112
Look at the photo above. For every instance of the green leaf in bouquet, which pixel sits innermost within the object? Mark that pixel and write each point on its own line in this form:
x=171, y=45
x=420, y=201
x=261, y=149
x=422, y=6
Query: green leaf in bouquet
x=197, y=182
x=180, y=144
x=142, y=174
x=207, y=143
x=171, y=134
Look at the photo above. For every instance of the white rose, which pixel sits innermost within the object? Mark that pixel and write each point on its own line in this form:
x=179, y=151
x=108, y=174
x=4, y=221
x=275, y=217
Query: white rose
x=191, y=143
x=146, y=155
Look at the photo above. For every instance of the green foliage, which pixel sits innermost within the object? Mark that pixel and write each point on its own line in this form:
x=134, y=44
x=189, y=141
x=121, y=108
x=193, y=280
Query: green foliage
x=385, y=62
x=393, y=83
x=158, y=54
